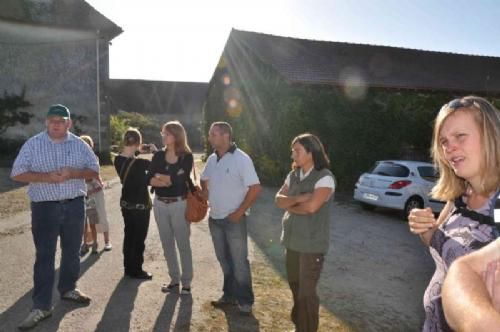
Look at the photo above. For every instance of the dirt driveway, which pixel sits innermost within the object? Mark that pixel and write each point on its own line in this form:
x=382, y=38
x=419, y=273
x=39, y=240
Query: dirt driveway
x=373, y=279
x=375, y=272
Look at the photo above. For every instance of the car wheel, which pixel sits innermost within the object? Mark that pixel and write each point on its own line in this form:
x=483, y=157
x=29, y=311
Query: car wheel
x=367, y=207
x=414, y=202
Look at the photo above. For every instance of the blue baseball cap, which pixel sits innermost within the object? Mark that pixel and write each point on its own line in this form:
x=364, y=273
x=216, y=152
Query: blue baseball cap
x=58, y=110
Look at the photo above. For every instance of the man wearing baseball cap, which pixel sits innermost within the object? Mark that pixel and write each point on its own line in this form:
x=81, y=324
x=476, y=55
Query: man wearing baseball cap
x=55, y=164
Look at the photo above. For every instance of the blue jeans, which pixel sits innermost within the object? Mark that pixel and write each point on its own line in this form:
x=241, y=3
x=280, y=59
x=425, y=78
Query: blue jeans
x=231, y=249
x=49, y=220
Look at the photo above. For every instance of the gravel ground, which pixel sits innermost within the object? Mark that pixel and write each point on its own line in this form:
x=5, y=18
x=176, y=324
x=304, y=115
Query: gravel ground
x=373, y=279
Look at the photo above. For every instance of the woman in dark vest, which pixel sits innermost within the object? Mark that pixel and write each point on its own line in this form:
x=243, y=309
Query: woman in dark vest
x=305, y=196
x=135, y=202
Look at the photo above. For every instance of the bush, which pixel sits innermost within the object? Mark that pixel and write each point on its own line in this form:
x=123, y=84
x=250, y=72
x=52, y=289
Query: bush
x=9, y=148
x=120, y=122
x=9, y=113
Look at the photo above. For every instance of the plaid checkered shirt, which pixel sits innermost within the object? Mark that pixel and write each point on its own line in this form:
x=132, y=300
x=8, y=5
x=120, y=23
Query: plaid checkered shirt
x=40, y=154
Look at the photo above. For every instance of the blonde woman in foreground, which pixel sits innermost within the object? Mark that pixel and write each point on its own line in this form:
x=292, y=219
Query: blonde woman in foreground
x=466, y=150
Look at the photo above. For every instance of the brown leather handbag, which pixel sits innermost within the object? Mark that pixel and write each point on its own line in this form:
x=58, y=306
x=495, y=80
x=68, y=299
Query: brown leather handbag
x=196, y=205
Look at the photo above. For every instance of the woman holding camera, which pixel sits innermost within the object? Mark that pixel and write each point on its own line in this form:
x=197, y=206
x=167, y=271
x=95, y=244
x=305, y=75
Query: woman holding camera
x=135, y=202
x=169, y=175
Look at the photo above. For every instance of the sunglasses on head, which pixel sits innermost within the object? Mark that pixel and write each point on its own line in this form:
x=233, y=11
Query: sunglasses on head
x=461, y=102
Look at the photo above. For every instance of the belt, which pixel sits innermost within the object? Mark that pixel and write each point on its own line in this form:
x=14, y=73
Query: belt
x=64, y=201
x=132, y=206
x=168, y=200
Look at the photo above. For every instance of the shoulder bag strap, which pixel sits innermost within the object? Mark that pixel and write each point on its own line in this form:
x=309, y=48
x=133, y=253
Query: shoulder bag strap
x=495, y=213
x=127, y=171
x=189, y=183
x=194, y=171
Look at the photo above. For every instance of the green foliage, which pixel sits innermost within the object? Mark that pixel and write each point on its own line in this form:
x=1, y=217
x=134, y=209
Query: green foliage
x=120, y=122
x=9, y=148
x=269, y=170
x=384, y=124
x=9, y=114
x=118, y=126
x=105, y=158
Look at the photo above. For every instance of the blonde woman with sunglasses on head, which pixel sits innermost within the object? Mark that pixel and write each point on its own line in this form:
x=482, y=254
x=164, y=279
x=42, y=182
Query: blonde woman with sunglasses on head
x=466, y=151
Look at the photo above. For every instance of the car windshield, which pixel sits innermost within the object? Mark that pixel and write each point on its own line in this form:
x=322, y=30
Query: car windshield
x=428, y=172
x=390, y=169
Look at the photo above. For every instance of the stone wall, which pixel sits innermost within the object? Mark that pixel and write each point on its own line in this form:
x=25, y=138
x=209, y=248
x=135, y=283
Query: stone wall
x=56, y=72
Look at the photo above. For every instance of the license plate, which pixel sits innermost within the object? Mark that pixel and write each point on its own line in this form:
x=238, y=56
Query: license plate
x=371, y=197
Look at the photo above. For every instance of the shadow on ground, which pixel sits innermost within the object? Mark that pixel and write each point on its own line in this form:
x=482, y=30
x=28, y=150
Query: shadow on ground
x=6, y=184
x=236, y=322
x=375, y=272
x=183, y=322
x=123, y=297
x=15, y=314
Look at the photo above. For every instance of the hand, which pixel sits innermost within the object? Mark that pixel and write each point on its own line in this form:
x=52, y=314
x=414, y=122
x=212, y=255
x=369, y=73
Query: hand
x=421, y=220
x=152, y=148
x=204, y=194
x=56, y=177
x=164, y=180
x=100, y=181
x=491, y=279
x=144, y=148
x=303, y=198
x=67, y=173
x=235, y=216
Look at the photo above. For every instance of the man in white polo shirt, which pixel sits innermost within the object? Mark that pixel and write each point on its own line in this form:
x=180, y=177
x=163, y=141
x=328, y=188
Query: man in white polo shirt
x=232, y=185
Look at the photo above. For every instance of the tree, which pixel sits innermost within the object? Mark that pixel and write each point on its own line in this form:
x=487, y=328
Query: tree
x=9, y=114
x=120, y=122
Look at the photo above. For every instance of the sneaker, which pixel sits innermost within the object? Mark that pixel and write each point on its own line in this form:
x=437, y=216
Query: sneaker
x=77, y=296
x=108, y=246
x=84, y=249
x=170, y=288
x=186, y=290
x=245, y=309
x=35, y=316
x=94, y=248
x=224, y=300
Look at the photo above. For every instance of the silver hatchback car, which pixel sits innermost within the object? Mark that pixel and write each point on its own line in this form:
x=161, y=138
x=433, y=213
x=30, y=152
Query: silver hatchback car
x=398, y=184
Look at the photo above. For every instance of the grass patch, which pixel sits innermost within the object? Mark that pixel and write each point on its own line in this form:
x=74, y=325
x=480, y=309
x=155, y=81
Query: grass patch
x=14, y=199
x=271, y=311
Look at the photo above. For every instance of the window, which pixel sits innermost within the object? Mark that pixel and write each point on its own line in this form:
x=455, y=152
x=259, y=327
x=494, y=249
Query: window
x=427, y=172
x=390, y=169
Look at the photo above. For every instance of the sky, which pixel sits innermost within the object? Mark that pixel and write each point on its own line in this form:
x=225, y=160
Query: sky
x=182, y=40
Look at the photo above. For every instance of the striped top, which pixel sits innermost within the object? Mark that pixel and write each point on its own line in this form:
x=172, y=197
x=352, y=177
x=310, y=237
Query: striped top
x=40, y=154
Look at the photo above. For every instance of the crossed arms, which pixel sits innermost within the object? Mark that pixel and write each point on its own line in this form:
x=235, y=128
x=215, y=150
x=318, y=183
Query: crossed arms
x=307, y=203
x=64, y=174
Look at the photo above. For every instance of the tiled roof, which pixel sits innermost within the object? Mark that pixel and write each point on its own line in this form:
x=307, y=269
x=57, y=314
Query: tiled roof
x=74, y=14
x=156, y=96
x=322, y=62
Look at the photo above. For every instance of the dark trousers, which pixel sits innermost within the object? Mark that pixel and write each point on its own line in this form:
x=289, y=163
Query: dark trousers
x=303, y=270
x=136, y=230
